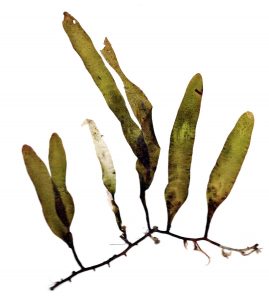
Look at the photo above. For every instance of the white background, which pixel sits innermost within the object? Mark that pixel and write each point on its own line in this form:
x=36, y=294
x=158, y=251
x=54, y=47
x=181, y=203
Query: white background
x=160, y=45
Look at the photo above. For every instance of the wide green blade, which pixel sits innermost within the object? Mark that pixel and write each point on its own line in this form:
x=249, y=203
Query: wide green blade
x=229, y=163
x=181, y=147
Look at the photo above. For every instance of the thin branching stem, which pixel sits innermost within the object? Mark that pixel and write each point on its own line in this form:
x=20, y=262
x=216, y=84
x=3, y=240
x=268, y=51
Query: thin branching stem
x=106, y=262
x=243, y=251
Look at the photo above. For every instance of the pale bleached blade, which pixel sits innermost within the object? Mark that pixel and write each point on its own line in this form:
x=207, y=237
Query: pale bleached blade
x=107, y=166
x=104, y=157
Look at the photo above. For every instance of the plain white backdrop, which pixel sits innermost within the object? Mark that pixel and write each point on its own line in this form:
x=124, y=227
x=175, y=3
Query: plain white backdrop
x=160, y=45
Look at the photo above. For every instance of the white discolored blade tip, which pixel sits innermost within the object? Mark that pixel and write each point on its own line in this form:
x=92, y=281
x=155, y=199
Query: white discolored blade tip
x=87, y=122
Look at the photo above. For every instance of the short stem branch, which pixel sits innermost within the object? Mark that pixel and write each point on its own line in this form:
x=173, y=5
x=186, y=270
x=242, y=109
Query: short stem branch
x=243, y=251
x=208, y=220
x=143, y=200
x=76, y=256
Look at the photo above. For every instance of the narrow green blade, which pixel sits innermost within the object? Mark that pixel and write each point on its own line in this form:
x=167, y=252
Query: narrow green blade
x=93, y=62
x=142, y=110
x=57, y=163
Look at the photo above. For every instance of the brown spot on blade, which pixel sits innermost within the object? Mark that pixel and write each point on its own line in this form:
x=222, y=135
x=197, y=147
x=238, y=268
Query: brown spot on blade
x=199, y=92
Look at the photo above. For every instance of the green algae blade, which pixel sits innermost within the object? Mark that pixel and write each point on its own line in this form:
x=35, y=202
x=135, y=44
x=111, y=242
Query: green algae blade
x=57, y=163
x=142, y=110
x=43, y=184
x=229, y=163
x=181, y=147
x=93, y=62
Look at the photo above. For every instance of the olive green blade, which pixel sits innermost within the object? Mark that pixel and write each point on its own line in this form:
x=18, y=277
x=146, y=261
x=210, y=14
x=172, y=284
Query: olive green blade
x=229, y=163
x=107, y=166
x=142, y=110
x=93, y=62
x=57, y=162
x=181, y=147
x=137, y=99
x=41, y=179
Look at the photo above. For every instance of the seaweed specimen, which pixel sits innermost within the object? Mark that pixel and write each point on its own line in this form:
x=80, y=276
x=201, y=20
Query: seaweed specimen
x=57, y=203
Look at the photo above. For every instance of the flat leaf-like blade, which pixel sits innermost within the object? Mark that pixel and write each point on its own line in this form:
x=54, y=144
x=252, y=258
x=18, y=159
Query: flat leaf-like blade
x=229, y=163
x=107, y=166
x=138, y=101
x=57, y=162
x=43, y=184
x=181, y=147
x=142, y=110
x=93, y=62
x=104, y=157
